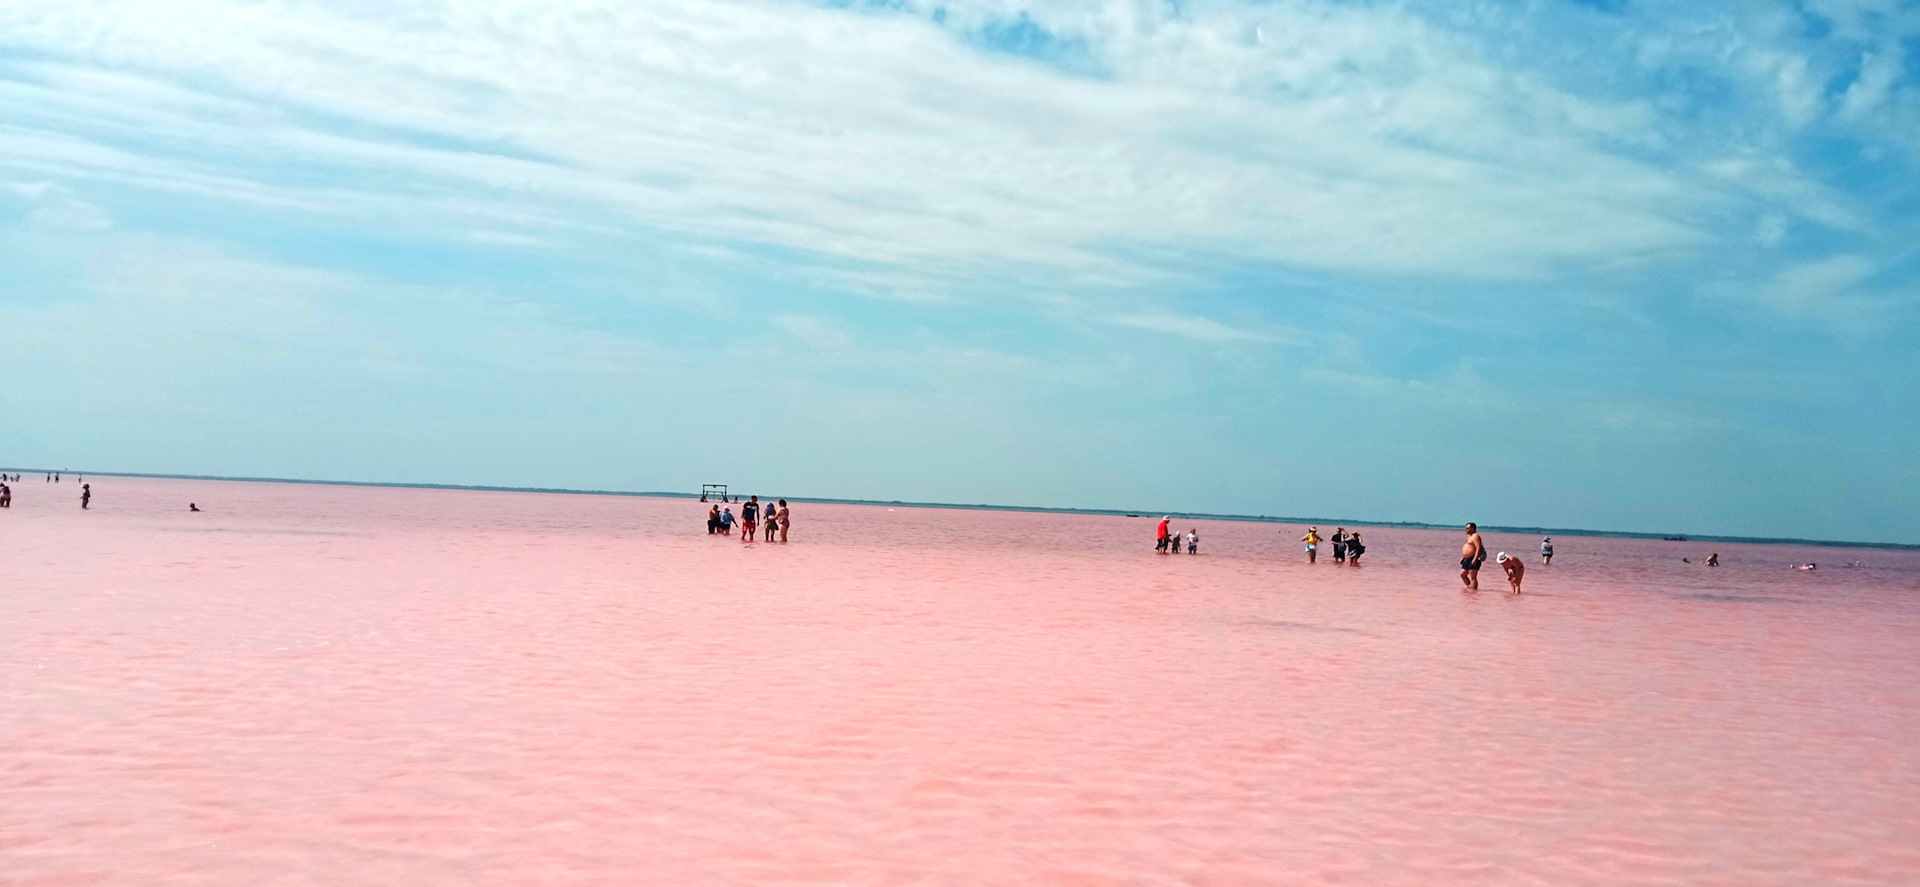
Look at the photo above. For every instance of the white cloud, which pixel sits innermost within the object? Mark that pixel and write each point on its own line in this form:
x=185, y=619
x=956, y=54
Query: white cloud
x=1835, y=293
x=1880, y=70
x=1189, y=326
x=54, y=207
x=1302, y=133
x=820, y=335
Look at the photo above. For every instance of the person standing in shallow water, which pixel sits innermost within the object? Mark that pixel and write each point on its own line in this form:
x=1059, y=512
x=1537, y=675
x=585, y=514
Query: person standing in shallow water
x=1161, y=537
x=1546, y=550
x=1312, y=538
x=785, y=520
x=86, y=495
x=1339, y=540
x=750, y=519
x=1473, y=553
x=1354, y=549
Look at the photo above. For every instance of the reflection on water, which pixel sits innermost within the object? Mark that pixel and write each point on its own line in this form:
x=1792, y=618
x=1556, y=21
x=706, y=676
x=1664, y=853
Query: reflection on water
x=378, y=686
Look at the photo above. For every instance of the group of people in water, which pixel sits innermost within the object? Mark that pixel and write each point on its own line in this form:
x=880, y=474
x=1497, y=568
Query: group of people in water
x=6, y=490
x=755, y=517
x=1169, y=538
x=1347, y=547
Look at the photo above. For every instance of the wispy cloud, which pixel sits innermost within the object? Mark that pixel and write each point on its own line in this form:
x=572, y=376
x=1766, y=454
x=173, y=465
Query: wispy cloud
x=1333, y=135
x=1187, y=326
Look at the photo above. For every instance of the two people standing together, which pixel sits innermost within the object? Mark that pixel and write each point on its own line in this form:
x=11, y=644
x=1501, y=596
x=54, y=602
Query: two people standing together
x=1473, y=553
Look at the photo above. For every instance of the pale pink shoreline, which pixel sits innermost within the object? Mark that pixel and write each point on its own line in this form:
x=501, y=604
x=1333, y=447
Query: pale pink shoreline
x=350, y=685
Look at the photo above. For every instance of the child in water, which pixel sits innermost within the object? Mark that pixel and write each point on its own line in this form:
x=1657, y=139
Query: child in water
x=1193, y=541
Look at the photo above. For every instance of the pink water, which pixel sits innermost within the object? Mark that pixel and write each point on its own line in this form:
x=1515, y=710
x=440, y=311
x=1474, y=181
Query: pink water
x=347, y=685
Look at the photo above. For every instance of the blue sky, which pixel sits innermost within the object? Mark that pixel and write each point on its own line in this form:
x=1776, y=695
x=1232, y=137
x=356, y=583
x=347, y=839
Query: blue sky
x=1620, y=265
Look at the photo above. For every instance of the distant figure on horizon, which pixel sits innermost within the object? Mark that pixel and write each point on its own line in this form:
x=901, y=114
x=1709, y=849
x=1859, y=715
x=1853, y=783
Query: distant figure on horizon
x=1339, y=540
x=750, y=519
x=1312, y=538
x=192, y=507
x=1354, y=549
x=786, y=520
x=1473, y=553
x=1515, y=570
x=1546, y=550
x=86, y=495
x=1713, y=560
x=726, y=521
x=1193, y=540
x=1161, y=537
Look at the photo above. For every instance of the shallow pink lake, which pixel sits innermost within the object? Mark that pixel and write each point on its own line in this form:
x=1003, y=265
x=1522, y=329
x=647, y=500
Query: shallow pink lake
x=348, y=685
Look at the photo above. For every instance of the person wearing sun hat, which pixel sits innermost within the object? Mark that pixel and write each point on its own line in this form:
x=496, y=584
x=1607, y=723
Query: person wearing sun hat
x=1515, y=569
x=1312, y=538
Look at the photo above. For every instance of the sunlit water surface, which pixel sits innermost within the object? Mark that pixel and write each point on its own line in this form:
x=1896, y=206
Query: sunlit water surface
x=349, y=685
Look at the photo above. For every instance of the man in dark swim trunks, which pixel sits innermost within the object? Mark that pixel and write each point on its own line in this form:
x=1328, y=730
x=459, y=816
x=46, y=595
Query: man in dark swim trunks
x=1472, y=554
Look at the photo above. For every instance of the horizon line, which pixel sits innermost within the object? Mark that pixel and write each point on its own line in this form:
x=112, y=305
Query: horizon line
x=1038, y=509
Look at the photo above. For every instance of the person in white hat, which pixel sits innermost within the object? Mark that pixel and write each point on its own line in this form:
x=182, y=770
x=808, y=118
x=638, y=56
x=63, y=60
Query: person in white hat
x=1515, y=569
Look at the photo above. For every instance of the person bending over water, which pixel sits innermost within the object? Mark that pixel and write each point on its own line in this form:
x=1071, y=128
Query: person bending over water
x=1515, y=570
x=1473, y=553
x=192, y=507
x=1312, y=538
x=1713, y=560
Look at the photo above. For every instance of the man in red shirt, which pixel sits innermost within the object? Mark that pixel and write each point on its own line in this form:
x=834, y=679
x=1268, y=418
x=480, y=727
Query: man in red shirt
x=1162, y=544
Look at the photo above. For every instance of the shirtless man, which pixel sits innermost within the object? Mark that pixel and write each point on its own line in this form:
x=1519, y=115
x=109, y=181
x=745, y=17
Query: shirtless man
x=1515, y=569
x=1473, y=553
